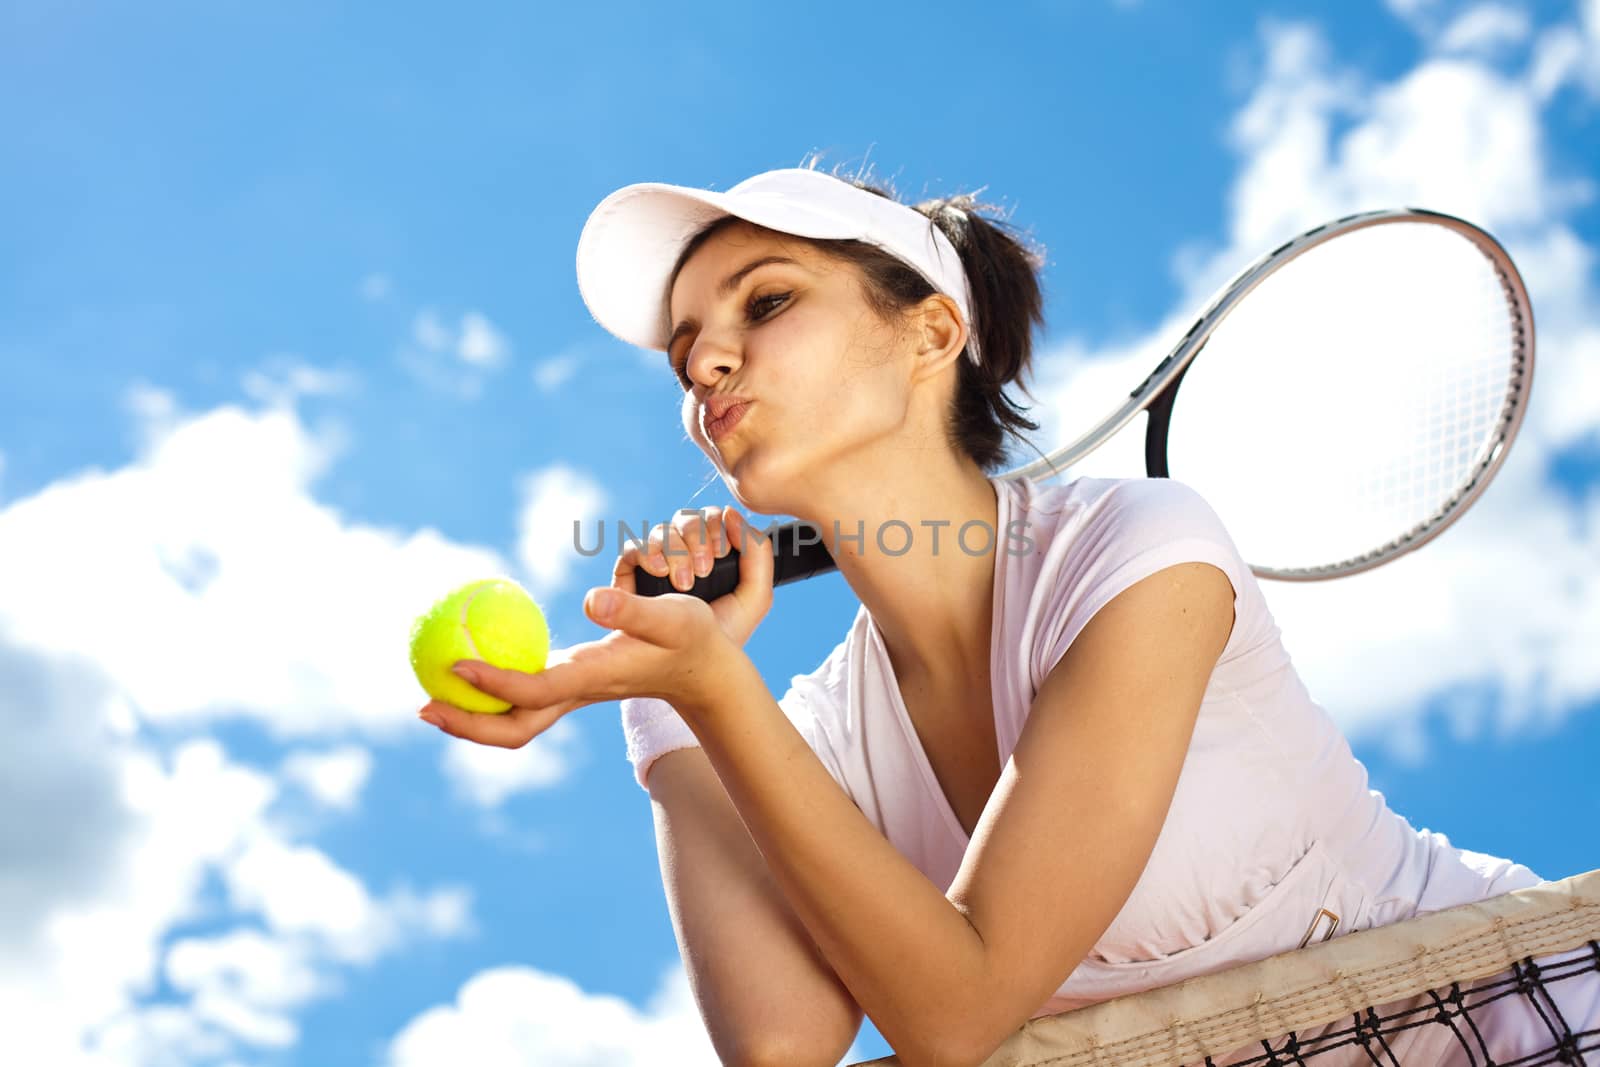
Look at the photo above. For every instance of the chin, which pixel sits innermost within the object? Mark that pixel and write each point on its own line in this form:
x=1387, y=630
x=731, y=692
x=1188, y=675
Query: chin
x=757, y=484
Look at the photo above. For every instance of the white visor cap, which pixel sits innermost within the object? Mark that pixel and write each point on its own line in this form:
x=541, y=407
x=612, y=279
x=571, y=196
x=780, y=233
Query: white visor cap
x=632, y=241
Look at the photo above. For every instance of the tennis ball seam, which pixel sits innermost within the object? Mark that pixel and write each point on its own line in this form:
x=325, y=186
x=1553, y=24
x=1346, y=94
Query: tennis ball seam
x=466, y=608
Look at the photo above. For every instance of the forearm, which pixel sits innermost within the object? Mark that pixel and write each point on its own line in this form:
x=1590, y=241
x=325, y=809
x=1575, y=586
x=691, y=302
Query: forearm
x=910, y=959
x=727, y=910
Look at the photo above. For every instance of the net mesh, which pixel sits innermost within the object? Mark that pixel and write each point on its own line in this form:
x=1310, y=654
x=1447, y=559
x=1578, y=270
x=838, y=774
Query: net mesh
x=1512, y=981
x=1452, y=1014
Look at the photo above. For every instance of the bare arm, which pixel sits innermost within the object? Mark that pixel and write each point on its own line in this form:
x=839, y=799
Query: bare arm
x=946, y=977
x=765, y=991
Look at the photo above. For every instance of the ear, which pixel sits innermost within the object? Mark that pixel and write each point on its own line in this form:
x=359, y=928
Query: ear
x=939, y=334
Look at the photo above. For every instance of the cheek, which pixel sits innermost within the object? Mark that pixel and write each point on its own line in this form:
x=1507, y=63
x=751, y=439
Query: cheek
x=818, y=356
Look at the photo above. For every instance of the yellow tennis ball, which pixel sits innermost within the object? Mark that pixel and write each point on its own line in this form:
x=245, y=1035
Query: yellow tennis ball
x=493, y=620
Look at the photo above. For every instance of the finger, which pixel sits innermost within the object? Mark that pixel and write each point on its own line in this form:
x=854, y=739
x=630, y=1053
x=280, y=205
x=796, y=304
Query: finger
x=647, y=554
x=643, y=554
x=512, y=729
x=755, y=562
x=719, y=533
x=564, y=683
x=622, y=576
x=670, y=543
x=665, y=621
x=695, y=527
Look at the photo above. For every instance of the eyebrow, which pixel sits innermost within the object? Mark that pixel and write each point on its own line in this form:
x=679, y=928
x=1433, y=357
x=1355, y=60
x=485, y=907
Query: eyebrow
x=729, y=284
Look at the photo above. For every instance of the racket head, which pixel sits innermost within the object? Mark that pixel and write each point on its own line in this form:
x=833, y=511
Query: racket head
x=1335, y=433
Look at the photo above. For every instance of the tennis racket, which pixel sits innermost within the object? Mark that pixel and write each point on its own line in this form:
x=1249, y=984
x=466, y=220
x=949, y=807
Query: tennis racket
x=1347, y=413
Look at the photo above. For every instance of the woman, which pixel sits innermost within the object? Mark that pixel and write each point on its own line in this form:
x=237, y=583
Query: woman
x=1061, y=755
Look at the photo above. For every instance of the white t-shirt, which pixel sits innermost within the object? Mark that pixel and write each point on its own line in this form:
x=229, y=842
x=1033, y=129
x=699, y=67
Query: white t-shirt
x=1273, y=838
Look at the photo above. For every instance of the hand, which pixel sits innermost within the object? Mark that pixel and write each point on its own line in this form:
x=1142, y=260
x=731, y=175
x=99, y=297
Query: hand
x=671, y=647
x=685, y=549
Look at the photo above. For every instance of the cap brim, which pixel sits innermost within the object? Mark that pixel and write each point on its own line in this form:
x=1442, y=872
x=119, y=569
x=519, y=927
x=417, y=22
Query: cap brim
x=632, y=240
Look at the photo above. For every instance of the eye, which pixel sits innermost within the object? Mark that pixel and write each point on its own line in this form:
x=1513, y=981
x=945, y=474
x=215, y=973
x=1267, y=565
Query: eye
x=757, y=308
x=761, y=306
x=677, y=368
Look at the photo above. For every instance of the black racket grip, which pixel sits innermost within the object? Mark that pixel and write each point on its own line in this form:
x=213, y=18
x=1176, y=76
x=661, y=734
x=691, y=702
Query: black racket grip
x=797, y=553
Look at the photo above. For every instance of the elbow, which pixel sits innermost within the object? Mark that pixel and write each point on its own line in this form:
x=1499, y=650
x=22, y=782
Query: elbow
x=952, y=1046
x=941, y=1049
x=809, y=1049
x=791, y=1055
x=940, y=1057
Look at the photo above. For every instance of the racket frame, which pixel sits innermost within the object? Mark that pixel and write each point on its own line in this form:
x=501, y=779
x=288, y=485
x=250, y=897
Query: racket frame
x=1159, y=389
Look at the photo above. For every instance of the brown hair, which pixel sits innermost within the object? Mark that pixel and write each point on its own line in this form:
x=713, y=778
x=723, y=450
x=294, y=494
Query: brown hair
x=1007, y=305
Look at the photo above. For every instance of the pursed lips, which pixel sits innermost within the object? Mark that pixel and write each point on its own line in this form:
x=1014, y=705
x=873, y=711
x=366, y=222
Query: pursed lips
x=720, y=412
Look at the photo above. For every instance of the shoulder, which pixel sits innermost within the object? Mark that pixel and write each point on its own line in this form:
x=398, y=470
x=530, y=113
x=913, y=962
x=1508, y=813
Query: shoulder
x=1148, y=500
x=1108, y=519
x=1098, y=537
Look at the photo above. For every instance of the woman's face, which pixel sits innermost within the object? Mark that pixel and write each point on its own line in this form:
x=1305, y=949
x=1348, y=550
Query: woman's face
x=828, y=383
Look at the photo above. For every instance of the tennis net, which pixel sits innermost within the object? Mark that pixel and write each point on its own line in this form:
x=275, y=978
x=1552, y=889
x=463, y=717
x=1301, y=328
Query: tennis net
x=1512, y=981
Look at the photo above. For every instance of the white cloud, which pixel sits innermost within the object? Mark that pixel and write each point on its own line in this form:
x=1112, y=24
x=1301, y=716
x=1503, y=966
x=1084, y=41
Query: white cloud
x=551, y=374
x=160, y=1036
x=334, y=778
x=300, y=891
x=509, y=1016
x=200, y=557
x=1569, y=53
x=1452, y=134
x=1558, y=59
x=249, y=965
x=77, y=991
x=429, y=332
x=154, y=412
x=1428, y=18
x=1590, y=21
x=454, y=360
x=480, y=343
x=550, y=502
x=1563, y=53
x=476, y=342
x=1457, y=134
x=1409, y=9
x=486, y=775
x=206, y=552
x=1486, y=29
x=285, y=379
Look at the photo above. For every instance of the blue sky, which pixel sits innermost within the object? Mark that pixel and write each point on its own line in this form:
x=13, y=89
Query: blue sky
x=290, y=341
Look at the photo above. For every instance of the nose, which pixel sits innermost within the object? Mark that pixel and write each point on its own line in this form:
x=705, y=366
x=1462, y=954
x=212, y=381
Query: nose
x=712, y=357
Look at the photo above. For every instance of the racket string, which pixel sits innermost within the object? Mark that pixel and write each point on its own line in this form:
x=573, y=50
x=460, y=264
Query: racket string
x=1375, y=414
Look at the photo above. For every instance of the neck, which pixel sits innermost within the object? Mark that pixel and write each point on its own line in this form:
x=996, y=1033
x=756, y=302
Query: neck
x=929, y=590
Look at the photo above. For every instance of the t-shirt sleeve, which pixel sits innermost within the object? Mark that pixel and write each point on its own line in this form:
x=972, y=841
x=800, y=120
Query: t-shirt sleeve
x=652, y=727
x=1136, y=528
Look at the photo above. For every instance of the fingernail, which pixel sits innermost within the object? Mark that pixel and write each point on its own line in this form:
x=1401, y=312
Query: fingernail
x=702, y=565
x=466, y=672
x=432, y=718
